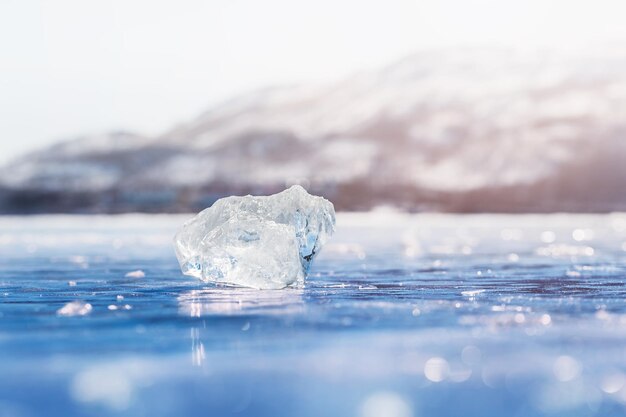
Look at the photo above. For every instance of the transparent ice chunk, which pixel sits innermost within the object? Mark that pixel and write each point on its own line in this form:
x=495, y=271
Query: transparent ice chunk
x=261, y=242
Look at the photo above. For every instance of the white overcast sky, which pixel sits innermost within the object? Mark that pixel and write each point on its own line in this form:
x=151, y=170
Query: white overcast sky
x=71, y=67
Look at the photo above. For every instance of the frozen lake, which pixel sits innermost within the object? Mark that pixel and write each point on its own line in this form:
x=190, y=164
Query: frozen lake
x=402, y=315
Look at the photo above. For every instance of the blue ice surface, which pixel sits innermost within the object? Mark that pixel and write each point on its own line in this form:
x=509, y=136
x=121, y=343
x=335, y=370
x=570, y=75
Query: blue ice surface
x=415, y=315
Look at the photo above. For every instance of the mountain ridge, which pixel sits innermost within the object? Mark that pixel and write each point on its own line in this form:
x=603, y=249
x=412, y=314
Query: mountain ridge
x=473, y=130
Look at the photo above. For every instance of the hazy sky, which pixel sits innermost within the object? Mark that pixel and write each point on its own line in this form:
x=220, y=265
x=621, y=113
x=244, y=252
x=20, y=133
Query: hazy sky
x=69, y=67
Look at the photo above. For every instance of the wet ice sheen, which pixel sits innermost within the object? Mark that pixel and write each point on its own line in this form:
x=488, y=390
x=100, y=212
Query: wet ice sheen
x=394, y=316
x=261, y=242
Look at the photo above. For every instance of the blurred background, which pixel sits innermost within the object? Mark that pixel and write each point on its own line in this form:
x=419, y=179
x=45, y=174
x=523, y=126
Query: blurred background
x=429, y=105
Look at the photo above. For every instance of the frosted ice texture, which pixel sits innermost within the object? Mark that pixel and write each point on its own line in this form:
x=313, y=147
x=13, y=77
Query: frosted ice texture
x=263, y=242
x=75, y=308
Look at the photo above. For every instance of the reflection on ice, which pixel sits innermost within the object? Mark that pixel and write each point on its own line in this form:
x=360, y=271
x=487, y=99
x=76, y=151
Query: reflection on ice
x=197, y=348
x=239, y=301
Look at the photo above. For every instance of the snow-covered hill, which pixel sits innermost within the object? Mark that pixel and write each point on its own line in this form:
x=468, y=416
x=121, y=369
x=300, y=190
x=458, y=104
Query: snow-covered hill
x=465, y=130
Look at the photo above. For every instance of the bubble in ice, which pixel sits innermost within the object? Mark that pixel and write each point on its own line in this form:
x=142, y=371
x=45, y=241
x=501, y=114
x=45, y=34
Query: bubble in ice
x=264, y=242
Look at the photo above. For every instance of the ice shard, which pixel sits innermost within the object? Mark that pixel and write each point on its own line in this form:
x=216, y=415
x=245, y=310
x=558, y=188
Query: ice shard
x=264, y=242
